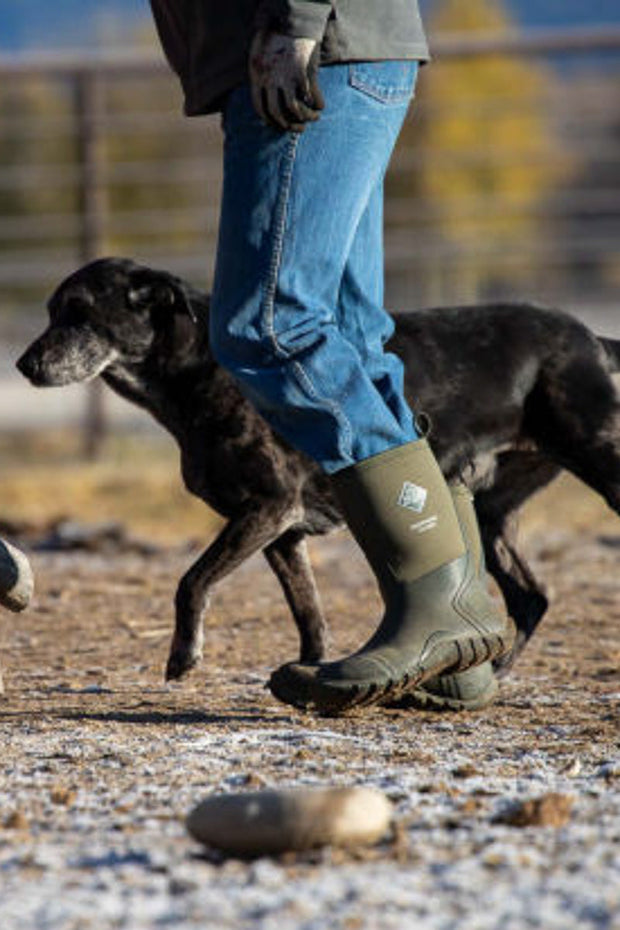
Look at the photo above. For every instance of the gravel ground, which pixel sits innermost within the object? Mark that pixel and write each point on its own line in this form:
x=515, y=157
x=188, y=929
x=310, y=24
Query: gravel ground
x=101, y=760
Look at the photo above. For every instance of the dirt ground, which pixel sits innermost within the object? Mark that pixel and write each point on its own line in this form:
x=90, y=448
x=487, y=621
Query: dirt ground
x=101, y=760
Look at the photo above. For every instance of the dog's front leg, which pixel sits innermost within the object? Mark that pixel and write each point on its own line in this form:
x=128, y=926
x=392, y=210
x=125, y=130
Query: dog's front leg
x=239, y=539
x=288, y=557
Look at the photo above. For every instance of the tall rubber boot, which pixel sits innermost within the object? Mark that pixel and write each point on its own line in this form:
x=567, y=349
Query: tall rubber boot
x=438, y=616
x=477, y=687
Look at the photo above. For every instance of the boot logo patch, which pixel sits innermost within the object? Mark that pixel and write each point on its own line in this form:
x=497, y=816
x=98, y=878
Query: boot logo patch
x=412, y=497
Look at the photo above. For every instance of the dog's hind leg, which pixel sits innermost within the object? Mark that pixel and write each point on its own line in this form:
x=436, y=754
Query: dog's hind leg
x=288, y=557
x=238, y=540
x=597, y=460
x=518, y=476
x=525, y=598
x=575, y=416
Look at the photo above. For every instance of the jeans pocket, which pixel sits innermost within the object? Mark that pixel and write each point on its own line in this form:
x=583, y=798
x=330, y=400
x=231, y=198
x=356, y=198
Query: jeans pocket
x=385, y=81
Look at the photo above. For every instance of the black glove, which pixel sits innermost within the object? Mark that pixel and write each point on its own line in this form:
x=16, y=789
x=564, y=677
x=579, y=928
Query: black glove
x=284, y=80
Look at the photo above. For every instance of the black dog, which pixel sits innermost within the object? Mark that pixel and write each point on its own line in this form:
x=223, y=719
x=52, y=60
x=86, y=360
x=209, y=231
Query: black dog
x=512, y=393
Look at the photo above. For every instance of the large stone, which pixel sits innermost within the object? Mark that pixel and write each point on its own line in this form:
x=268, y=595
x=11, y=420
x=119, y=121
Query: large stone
x=16, y=578
x=271, y=822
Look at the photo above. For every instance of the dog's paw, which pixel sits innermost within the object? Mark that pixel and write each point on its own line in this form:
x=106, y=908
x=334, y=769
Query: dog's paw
x=180, y=662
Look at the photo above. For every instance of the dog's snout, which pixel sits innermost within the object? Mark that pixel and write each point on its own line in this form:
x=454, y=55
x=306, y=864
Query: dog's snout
x=29, y=364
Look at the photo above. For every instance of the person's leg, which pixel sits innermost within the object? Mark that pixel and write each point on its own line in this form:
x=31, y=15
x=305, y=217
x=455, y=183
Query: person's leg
x=292, y=206
x=362, y=319
x=438, y=615
x=364, y=322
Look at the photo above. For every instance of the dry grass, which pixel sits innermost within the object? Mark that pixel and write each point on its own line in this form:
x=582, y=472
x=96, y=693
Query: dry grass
x=137, y=482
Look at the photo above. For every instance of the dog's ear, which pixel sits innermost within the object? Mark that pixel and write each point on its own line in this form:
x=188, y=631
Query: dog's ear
x=169, y=295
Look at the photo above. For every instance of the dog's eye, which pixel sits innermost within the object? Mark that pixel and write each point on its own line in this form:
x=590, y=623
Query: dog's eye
x=75, y=308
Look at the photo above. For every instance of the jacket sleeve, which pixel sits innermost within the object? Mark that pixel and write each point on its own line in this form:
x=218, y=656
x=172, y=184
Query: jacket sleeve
x=171, y=20
x=301, y=19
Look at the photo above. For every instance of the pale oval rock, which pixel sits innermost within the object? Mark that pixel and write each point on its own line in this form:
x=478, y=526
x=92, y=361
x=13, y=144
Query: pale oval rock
x=276, y=821
x=16, y=578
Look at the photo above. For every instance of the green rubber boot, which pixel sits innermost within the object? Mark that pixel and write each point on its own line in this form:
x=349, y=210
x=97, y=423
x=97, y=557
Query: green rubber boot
x=477, y=687
x=438, y=619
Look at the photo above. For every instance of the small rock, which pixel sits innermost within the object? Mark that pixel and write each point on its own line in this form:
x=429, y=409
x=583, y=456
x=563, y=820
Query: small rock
x=252, y=780
x=179, y=886
x=550, y=810
x=124, y=808
x=270, y=822
x=61, y=795
x=435, y=787
x=471, y=806
x=609, y=770
x=467, y=770
x=16, y=821
x=493, y=860
x=572, y=768
x=16, y=578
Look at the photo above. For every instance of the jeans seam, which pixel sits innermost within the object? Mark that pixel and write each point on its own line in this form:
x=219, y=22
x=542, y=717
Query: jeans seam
x=339, y=414
x=269, y=300
x=278, y=246
x=384, y=93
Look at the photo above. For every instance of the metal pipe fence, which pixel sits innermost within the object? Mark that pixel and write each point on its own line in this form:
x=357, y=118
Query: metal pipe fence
x=505, y=183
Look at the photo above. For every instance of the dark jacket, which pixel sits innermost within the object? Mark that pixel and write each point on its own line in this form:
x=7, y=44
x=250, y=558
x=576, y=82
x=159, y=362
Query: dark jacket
x=207, y=42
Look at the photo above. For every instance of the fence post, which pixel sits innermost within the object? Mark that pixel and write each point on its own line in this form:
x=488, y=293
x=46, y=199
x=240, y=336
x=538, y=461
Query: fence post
x=93, y=209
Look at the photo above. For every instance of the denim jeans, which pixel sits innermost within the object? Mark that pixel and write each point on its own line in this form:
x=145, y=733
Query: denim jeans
x=297, y=309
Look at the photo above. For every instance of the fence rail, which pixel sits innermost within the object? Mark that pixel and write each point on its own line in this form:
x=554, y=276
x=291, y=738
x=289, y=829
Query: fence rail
x=95, y=174
x=95, y=158
x=139, y=61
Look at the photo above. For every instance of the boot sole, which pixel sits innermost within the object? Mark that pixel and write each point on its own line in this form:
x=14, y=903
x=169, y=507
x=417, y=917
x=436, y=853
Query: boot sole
x=421, y=699
x=312, y=694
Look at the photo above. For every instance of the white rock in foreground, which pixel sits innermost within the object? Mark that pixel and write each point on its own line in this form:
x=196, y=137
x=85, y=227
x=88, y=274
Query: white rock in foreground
x=16, y=578
x=263, y=822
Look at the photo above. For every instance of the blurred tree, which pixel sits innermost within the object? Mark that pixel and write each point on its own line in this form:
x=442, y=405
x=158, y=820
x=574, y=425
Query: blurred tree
x=156, y=146
x=152, y=170
x=37, y=167
x=594, y=222
x=25, y=105
x=484, y=154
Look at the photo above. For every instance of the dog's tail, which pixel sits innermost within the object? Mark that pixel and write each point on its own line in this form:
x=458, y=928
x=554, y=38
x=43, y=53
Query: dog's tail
x=612, y=348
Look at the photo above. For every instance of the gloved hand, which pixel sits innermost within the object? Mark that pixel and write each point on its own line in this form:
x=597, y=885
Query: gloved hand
x=284, y=80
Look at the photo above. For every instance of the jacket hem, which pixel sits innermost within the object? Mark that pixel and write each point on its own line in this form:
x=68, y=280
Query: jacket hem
x=207, y=96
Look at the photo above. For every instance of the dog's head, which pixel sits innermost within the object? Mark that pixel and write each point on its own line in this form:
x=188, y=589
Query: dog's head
x=111, y=311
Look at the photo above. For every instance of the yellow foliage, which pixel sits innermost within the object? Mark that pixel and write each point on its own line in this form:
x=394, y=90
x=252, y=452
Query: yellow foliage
x=486, y=151
x=487, y=127
x=472, y=16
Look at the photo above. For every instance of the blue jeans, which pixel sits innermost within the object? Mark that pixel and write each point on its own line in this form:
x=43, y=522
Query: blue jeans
x=297, y=310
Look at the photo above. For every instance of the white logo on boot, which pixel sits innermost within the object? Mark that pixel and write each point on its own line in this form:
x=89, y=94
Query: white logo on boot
x=412, y=497
x=423, y=526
